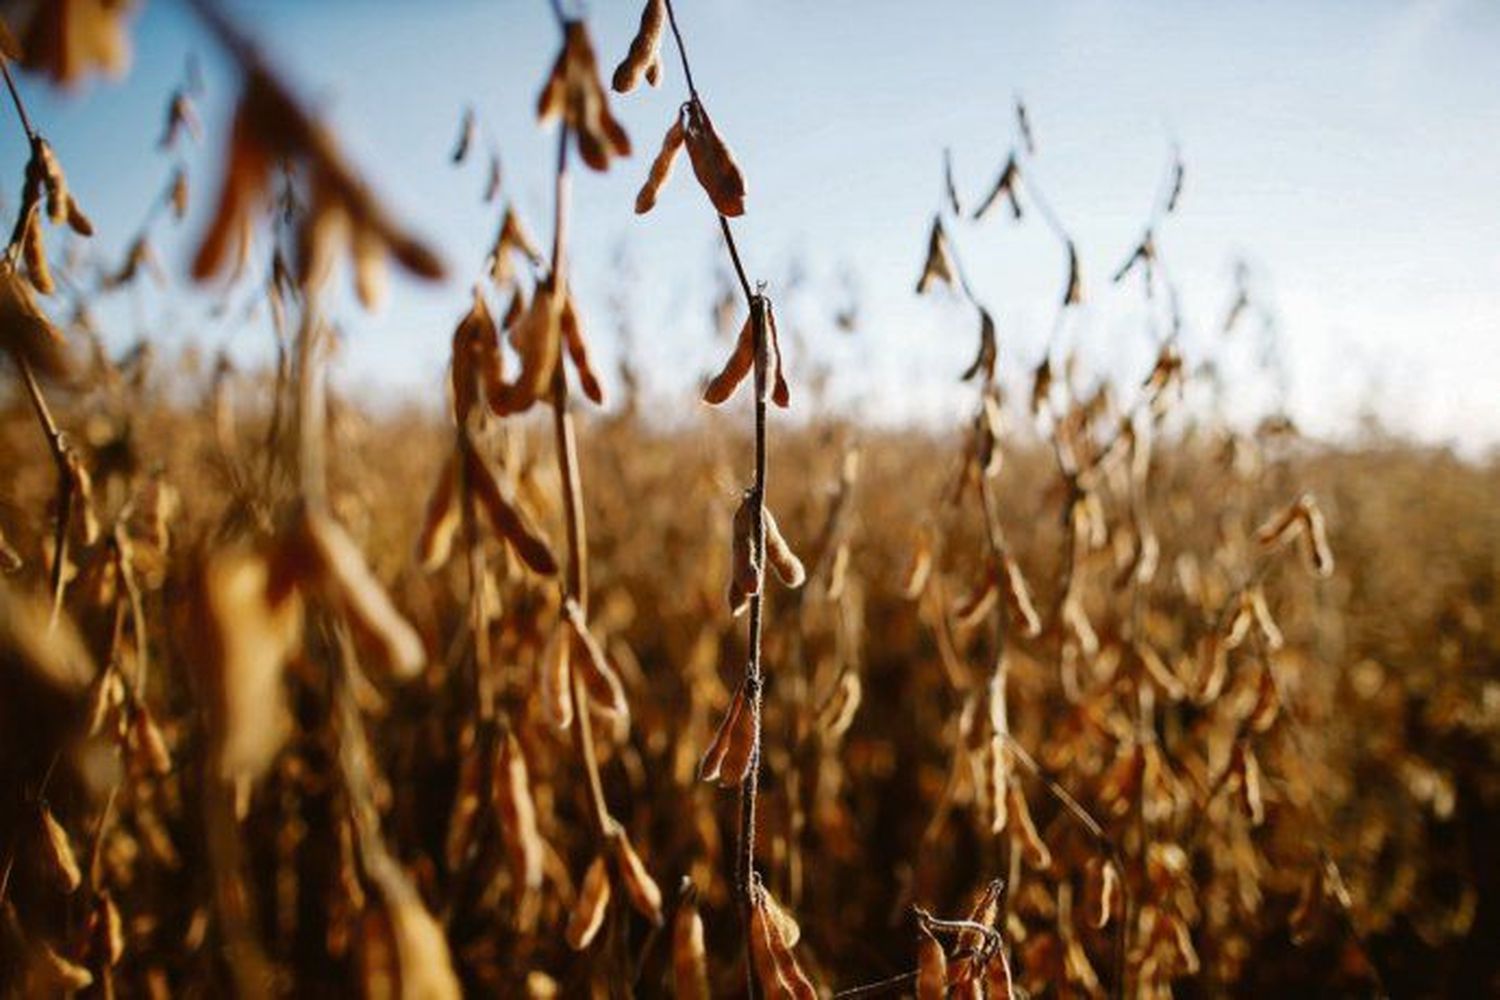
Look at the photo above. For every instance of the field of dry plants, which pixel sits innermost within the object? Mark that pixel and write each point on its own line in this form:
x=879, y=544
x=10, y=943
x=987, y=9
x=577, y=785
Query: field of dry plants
x=1091, y=695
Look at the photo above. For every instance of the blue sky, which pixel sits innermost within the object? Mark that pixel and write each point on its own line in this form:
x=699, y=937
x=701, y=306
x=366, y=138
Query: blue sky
x=1347, y=149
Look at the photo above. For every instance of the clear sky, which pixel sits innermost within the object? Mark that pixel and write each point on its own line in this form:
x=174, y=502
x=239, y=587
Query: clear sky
x=1351, y=151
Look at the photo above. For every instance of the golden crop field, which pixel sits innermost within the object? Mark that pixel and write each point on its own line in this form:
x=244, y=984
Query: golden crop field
x=1090, y=694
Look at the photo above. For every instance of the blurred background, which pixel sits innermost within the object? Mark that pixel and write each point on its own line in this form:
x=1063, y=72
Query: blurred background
x=1344, y=154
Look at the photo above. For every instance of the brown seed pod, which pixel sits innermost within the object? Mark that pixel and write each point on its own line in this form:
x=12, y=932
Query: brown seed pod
x=537, y=338
x=1073, y=294
x=599, y=678
x=1267, y=702
x=1319, y=552
x=1005, y=186
x=556, y=679
x=68, y=41
x=477, y=367
x=422, y=964
x=58, y=851
x=574, y=92
x=342, y=571
x=642, y=889
x=1041, y=387
x=780, y=394
x=468, y=129
x=932, y=967
x=689, y=956
x=645, y=49
x=34, y=255
x=713, y=163
x=780, y=555
x=1246, y=771
x=1264, y=621
x=746, y=570
x=50, y=974
x=837, y=713
x=463, y=816
x=513, y=239
x=77, y=221
x=997, y=776
x=728, y=758
x=939, y=266
x=919, y=569
x=441, y=520
x=511, y=793
x=1157, y=670
x=969, y=612
x=504, y=514
x=578, y=352
x=247, y=616
x=771, y=950
x=984, y=361
x=107, y=929
x=1023, y=830
x=661, y=167
x=722, y=386
x=589, y=908
x=151, y=744
x=1103, y=885
x=492, y=179
x=1019, y=596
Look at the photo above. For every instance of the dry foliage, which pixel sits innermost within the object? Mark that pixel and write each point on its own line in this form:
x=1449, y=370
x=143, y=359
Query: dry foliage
x=1091, y=697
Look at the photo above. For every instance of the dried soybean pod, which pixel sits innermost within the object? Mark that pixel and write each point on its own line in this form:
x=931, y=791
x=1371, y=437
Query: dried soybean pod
x=932, y=967
x=1073, y=295
x=783, y=933
x=745, y=567
x=504, y=516
x=599, y=678
x=34, y=253
x=938, y=265
x=713, y=163
x=1319, y=551
x=578, y=353
x=466, y=801
x=342, y=569
x=780, y=394
x=1024, y=830
x=689, y=956
x=61, y=860
x=1246, y=770
x=727, y=760
x=557, y=689
x=642, y=889
x=517, y=812
x=589, y=908
x=1103, y=888
x=722, y=386
x=661, y=167
x=780, y=555
x=1020, y=598
x=441, y=520
x=644, y=48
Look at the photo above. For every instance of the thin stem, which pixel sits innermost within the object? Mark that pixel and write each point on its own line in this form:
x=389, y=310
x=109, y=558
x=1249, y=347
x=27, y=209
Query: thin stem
x=687, y=71
x=484, y=688
x=745, y=878
x=15, y=98
x=565, y=440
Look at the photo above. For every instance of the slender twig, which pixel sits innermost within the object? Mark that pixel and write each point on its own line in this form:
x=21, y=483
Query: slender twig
x=745, y=877
x=565, y=441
